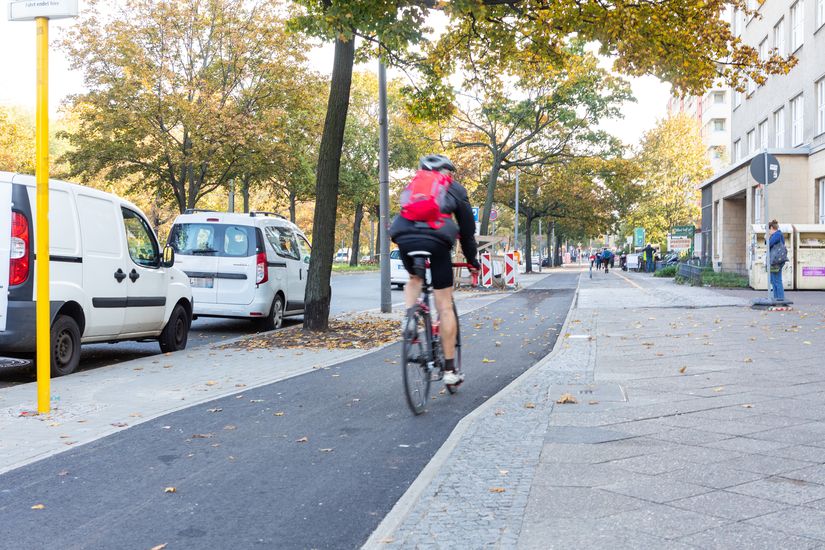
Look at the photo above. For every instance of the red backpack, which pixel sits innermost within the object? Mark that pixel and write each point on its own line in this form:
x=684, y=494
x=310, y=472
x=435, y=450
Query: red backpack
x=424, y=197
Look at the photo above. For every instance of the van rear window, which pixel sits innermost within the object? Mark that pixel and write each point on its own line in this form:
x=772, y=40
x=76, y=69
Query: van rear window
x=212, y=239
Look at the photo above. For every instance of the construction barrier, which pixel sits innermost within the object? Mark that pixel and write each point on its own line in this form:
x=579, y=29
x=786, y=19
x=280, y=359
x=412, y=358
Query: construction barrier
x=510, y=269
x=486, y=270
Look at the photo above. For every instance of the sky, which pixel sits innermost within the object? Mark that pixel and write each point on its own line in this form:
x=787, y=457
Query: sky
x=17, y=78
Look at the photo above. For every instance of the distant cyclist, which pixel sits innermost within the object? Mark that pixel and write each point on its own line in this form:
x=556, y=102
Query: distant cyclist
x=607, y=258
x=425, y=223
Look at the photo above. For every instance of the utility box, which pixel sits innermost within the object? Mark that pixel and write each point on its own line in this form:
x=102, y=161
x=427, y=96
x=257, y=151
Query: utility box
x=757, y=275
x=810, y=257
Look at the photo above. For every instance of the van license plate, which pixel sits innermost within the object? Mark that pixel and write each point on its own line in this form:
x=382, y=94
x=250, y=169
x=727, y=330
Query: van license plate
x=202, y=282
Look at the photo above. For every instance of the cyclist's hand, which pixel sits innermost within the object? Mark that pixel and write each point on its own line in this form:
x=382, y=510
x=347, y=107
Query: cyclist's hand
x=475, y=265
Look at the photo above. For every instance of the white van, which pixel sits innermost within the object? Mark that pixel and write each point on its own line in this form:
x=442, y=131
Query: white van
x=248, y=266
x=109, y=280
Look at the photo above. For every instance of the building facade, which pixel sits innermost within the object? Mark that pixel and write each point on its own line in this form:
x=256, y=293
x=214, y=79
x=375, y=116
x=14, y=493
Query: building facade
x=712, y=113
x=786, y=116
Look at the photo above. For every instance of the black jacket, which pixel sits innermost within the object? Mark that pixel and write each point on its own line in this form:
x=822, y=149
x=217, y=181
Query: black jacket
x=458, y=205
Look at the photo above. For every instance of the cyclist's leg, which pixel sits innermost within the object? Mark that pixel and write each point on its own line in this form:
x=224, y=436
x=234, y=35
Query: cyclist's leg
x=412, y=290
x=441, y=271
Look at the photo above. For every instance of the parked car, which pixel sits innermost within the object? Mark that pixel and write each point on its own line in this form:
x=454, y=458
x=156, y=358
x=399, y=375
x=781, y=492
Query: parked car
x=398, y=274
x=342, y=256
x=249, y=266
x=109, y=279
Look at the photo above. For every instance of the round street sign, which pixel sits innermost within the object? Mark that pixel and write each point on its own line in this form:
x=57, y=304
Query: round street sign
x=758, y=168
x=493, y=215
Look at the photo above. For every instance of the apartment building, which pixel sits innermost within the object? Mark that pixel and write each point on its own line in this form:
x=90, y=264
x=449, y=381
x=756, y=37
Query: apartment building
x=712, y=114
x=786, y=115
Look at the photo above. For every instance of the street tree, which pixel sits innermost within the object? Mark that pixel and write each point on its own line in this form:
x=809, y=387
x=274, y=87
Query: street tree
x=681, y=41
x=673, y=163
x=17, y=147
x=179, y=93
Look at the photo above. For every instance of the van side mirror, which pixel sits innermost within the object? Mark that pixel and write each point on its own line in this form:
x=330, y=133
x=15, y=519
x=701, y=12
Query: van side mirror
x=168, y=256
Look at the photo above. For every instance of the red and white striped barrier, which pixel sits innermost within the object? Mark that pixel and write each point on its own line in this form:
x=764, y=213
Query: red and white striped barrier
x=486, y=270
x=510, y=269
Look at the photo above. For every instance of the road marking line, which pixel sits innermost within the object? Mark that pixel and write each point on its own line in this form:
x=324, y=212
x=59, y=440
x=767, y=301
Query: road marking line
x=629, y=281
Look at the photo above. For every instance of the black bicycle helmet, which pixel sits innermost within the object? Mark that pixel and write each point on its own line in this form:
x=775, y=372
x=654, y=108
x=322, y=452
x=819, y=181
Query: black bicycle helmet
x=436, y=163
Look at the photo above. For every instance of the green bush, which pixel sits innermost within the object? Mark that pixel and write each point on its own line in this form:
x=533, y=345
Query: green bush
x=668, y=271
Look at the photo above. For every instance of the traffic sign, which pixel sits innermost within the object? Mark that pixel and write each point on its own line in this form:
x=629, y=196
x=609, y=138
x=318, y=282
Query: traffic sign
x=639, y=237
x=758, y=168
x=29, y=10
x=493, y=215
x=475, y=213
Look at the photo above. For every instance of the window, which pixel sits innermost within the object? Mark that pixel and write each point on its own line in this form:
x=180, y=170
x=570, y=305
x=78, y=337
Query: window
x=779, y=37
x=719, y=97
x=779, y=128
x=750, y=87
x=751, y=142
x=304, y=249
x=283, y=241
x=822, y=200
x=758, y=205
x=763, y=134
x=796, y=121
x=797, y=24
x=236, y=241
x=213, y=239
x=737, y=98
x=719, y=125
x=820, y=107
x=143, y=248
x=820, y=13
x=737, y=150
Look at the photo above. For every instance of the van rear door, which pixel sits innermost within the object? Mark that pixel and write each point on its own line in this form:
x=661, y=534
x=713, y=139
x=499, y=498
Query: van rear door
x=5, y=250
x=237, y=264
x=196, y=253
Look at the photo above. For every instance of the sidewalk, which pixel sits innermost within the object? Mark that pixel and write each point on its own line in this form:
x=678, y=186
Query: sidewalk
x=697, y=422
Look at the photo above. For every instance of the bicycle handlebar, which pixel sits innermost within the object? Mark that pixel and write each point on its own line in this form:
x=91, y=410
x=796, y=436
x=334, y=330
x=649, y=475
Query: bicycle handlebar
x=471, y=267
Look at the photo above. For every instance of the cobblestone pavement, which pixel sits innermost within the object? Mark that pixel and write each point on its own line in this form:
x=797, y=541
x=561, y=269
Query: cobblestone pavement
x=698, y=422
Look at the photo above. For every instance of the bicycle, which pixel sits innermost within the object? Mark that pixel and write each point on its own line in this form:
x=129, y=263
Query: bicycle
x=422, y=359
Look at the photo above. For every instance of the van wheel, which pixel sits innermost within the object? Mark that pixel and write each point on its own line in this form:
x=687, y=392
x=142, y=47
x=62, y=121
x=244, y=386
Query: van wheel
x=65, y=337
x=276, y=315
x=176, y=332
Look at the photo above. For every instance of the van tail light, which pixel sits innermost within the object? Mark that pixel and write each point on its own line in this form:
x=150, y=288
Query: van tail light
x=261, y=271
x=20, y=246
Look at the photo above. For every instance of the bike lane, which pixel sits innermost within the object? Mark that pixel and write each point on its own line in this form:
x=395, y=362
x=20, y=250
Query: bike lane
x=315, y=461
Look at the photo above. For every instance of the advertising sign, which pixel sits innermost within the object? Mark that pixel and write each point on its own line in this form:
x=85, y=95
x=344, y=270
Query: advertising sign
x=683, y=231
x=639, y=237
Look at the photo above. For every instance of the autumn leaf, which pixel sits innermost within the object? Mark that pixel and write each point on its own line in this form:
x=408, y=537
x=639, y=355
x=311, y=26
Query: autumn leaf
x=38, y=507
x=119, y=424
x=485, y=360
x=327, y=450
x=159, y=547
x=215, y=410
x=302, y=440
x=683, y=369
x=567, y=398
x=170, y=490
x=211, y=383
x=529, y=405
x=279, y=413
x=202, y=436
x=497, y=489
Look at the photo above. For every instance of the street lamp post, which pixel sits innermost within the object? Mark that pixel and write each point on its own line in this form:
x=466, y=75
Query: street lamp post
x=384, y=183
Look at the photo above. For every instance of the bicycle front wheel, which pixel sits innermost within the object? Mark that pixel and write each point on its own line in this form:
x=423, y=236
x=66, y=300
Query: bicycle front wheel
x=414, y=363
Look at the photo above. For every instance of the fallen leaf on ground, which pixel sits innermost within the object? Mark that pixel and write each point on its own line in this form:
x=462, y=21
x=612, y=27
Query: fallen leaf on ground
x=682, y=370
x=497, y=489
x=747, y=406
x=211, y=383
x=159, y=547
x=720, y=388
x=229, y=427
x=63, y=473
x=38, y=507
x=279, y=413
x=593, y=402
x=807, y=343
x=302, y=440
x=170, y=490
x=499, y=412
x=202, y=436
x=327, y=450
x=567, y=398
x=504, y=472
x=119, y=424
x=748, y=360
x=529, y=405
x=388, y=540
x=256, y=400
x=215, y=410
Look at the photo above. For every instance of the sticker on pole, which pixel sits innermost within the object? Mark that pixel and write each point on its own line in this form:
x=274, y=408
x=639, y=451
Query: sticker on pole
x=29, y=10
x=758, y=167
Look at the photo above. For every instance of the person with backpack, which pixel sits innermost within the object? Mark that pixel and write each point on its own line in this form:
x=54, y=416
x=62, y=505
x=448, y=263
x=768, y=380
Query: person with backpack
x=428, y=205
x=607, y=258
x=778, y=255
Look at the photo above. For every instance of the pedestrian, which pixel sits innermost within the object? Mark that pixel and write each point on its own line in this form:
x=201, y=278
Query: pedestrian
x=778, y=255
x=607, y=258
x=648, y=257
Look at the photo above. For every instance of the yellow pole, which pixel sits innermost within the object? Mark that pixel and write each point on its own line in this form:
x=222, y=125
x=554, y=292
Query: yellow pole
x=42, y=224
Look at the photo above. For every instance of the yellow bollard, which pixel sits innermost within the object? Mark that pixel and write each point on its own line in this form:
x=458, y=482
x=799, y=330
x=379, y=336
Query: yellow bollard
x=42, y=222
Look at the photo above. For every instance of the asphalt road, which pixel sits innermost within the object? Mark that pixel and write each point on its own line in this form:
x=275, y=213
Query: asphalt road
x=350, y=292
x=245, y=477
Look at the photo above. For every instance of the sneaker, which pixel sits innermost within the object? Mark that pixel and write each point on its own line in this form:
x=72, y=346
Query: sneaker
x=453, y=378
x=408, y=328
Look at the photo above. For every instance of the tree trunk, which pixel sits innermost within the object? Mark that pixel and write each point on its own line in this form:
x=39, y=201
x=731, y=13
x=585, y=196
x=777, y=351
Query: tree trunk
x=318, y=290
x=356, y=235
x=528, y=245
x=293, y=202
x=488, y=201
x=245, y=193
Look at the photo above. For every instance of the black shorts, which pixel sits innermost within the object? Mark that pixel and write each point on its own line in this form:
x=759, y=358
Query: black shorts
x=441, y=260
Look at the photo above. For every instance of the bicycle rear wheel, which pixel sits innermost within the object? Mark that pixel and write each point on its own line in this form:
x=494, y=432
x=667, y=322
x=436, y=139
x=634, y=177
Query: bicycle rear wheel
x=414, y=363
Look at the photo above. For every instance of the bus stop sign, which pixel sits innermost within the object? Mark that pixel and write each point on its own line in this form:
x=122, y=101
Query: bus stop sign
x=758, y=168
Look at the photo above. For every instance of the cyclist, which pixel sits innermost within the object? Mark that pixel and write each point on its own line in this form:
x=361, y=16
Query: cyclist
x=438, y=240
x=607, y=259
